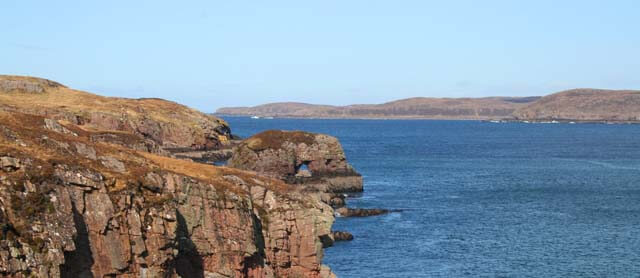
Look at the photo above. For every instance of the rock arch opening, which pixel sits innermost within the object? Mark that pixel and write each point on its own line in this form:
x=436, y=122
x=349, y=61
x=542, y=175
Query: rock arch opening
x=303, y=171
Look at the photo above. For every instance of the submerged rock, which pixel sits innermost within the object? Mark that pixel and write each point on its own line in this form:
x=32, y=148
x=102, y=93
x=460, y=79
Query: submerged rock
x=341, y=236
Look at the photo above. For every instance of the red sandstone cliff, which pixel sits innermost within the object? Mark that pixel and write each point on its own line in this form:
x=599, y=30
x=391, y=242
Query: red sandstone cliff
x=97, y=196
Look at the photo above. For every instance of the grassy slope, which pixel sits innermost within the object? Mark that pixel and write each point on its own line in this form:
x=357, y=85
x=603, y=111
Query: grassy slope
x=57, y=96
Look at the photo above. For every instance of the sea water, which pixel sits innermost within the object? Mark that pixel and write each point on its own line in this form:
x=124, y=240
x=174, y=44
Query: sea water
x=483, y=199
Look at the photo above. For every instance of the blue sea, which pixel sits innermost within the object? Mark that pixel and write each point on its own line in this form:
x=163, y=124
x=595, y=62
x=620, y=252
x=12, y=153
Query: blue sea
x=483, y=199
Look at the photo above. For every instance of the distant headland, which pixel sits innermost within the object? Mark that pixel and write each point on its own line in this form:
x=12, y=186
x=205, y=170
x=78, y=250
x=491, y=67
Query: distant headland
x=577, y=105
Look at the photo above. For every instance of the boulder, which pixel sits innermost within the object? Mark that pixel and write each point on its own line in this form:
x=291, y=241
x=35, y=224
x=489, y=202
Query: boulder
x=9, y=164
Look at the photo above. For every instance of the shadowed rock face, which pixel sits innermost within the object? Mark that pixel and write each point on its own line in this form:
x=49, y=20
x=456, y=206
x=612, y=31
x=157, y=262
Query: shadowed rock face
x=74, y=206
x=314, y=160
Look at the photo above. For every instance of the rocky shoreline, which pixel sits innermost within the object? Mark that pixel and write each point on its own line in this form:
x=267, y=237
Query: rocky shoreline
x=315, y=163
x=95, y=186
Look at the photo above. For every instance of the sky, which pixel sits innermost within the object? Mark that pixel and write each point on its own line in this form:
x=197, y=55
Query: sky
x=211, y=54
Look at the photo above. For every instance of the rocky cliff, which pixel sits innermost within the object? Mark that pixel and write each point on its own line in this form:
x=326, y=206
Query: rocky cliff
x=422, y=108
x=88, y=190
x=584, y=105
x=314, y=163
x=167, y=124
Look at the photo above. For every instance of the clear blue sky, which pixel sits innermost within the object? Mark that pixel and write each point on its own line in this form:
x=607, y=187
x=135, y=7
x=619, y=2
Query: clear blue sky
x=209, y=54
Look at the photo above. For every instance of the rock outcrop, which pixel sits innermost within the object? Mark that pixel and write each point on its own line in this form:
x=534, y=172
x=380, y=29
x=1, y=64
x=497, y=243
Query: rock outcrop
x=171, y=126
x=78, y=201
x=360, y=212
x=342, y=236
x=316, y=161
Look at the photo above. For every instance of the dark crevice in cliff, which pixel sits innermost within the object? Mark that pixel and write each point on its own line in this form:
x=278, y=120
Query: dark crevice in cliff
x=256, y=260
x=78, y=262
x=7, y=228
x=188, y=262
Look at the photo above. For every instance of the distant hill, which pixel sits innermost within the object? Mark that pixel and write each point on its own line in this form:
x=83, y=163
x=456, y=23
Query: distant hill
x=584, y=105
x=426, y=108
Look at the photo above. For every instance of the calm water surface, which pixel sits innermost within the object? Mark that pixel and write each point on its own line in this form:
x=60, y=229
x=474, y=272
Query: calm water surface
x=486, y=200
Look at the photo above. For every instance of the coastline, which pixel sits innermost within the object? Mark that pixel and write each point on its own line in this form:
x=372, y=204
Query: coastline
x=355, y=118
x=417, y=118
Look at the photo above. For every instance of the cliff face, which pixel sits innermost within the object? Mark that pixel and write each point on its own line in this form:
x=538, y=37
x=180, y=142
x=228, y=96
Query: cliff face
x=428, y=108
x=168, y=124
x=93, y=198
x=585, y=105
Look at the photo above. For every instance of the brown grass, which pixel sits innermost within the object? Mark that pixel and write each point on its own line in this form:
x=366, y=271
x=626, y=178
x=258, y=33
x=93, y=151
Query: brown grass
x=30, y=130
x=273, y=139
x=211, y=174
x=81, y=103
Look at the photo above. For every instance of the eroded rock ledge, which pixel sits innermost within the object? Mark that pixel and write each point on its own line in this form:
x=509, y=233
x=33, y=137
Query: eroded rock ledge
x=358, y=212
x=76, y=204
